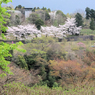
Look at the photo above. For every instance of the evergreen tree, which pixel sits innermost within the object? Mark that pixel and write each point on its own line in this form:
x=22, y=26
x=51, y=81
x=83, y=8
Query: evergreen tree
x=79, y=20
x=92, y=13
x=87, y=13
x=92, y=24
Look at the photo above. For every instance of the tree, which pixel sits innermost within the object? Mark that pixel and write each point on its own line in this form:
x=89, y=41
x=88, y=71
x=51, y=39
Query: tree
x=68, y=15
x=38, y=8
x=33, y=17
x=92, y=13
x=38, y=23
x=17, y=20
x=87, y=13
x=60, y=17
x=79, y=20
x=9, y=7
x=47, y=16
x=44, y=8
x=92, y=24
x=49, y=10
x=19, y=7
x=4, y=47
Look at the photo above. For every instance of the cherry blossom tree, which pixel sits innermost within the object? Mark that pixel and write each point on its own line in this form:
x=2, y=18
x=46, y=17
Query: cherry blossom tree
x=30, y=31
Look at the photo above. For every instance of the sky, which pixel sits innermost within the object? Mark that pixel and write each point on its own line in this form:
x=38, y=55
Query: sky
x=66, y=6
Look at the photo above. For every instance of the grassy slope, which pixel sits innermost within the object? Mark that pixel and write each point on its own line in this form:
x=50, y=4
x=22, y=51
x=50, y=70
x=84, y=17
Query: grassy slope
x=87, y=32
x=20, y=89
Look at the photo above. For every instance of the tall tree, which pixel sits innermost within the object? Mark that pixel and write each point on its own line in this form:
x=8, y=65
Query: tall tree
x=92, y=24
x=79, y=20
x=87, y=13
x=92, y=14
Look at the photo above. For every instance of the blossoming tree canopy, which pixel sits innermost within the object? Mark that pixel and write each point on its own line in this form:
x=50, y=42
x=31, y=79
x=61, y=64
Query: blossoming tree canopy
x=70, y=26
x=30, y=31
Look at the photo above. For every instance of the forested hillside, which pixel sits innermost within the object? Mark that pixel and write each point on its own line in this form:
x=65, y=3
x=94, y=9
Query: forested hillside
x=49, y=61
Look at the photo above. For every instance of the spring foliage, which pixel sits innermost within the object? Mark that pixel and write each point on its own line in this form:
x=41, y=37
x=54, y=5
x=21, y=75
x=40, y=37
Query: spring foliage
x=4, y=47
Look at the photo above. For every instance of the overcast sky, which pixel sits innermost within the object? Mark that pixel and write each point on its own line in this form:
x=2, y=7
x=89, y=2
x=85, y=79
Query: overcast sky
x=67, y=6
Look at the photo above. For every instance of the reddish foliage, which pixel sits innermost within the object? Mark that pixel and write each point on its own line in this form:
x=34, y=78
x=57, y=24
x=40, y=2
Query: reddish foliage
x=71, y=71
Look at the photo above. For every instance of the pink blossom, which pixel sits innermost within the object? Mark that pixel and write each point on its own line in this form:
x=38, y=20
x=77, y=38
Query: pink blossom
x=12, y=42
x=81, y=44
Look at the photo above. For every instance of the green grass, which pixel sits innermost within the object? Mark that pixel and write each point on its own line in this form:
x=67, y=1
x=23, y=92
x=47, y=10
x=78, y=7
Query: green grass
x=87, y=32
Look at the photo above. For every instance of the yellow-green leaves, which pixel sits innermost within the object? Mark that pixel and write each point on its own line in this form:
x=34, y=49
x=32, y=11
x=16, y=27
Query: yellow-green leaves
x=5, y=1
x=4, y=47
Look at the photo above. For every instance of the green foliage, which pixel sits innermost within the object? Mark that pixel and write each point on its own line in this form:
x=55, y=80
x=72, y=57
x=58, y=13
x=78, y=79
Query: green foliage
x=55, y=23
x=44, y=8
x=5, y=1
x=90, y=13
x=61, y=13
x=92, y=24
x=2, y=19
x=30, y=60
x=4, y=47
x=38, y=8
x=4, y=52
x=39, y=23
x=19, y=89
x=60, y=17
x=79, y=20
x=33, y=10
x=87, y=32
x=21, y=62
x=55, y=84
x=9, y=8
x=37, y=58
x=17, y=20
x=47, y=16
x=49, y=10
x=68, y=15
x=87, y=13
x=19, y=7
x=55, y=50
x=33, y=18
